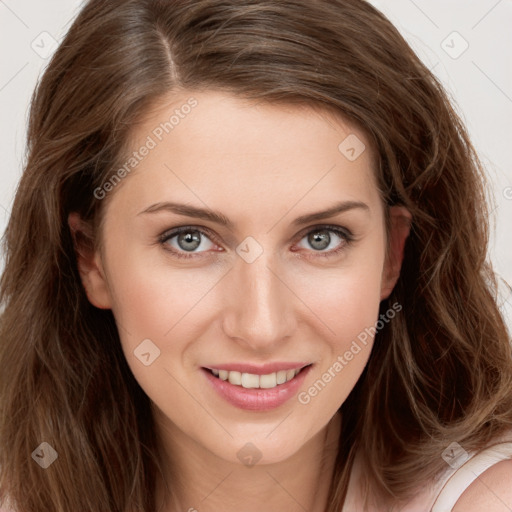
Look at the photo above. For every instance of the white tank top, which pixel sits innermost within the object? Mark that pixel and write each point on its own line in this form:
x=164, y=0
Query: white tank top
x=442, y=495
x=457, y=481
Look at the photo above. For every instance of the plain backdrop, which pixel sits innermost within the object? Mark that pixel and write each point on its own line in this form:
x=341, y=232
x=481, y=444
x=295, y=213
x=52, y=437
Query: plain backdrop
x=467, y=44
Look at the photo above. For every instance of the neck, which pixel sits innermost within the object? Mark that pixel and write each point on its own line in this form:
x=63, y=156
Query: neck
x=195, y=479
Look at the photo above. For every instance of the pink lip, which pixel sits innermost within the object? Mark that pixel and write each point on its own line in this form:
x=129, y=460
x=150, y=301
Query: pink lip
x=256, y=399
x=263, y=369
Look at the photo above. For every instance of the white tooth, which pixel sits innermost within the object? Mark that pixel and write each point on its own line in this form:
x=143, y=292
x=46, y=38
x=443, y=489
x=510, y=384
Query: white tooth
x=250, y=380
x=235, y=378
x=215, y=372
x=223, y=374
x=297, y=371
x=289, y=375
x=281, y=377
x=268, y=381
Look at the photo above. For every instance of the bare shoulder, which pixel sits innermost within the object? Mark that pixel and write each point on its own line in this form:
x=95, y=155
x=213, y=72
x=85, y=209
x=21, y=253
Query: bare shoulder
x=491, y=491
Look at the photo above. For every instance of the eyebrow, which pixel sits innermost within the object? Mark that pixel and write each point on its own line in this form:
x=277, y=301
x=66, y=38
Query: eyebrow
x=219, y=218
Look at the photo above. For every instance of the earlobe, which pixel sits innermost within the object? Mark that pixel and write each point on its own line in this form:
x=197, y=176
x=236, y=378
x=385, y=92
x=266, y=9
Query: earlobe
x=89, y=263
x=400, y=226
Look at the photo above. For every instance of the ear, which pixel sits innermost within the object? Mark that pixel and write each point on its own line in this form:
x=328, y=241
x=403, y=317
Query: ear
x=89, y=263
x=400, y=226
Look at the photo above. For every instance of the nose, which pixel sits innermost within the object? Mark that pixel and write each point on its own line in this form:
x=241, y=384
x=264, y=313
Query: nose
x=259, y=306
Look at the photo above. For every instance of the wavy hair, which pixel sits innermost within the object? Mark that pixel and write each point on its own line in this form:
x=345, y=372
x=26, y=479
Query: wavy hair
x=441, y=371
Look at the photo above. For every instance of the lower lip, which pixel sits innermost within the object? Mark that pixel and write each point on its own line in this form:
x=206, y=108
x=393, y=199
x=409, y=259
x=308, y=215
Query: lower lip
x=257, y=399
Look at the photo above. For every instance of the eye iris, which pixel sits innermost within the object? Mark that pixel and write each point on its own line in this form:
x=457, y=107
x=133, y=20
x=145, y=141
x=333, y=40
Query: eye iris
x=319, y=239
x=189, y=237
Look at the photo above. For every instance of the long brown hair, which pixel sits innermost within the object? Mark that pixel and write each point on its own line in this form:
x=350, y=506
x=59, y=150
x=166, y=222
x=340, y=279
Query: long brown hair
x=441, y=371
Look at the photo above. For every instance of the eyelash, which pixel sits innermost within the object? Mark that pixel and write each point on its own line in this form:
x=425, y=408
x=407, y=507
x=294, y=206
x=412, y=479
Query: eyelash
x=343, y=233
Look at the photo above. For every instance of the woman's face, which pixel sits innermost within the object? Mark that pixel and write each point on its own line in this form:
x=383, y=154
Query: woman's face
x=260, y=288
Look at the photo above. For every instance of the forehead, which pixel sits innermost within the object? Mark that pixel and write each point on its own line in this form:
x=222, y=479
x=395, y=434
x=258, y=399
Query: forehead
x=214, y=148
x=233, y=119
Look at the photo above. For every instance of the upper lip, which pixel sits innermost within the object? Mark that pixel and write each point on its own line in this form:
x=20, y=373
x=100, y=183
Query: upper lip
x=262, y=369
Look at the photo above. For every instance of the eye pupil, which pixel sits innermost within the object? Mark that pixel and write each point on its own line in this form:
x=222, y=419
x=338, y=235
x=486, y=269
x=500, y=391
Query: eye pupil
x=319, y=239
x=189, y=240
x=189, y=237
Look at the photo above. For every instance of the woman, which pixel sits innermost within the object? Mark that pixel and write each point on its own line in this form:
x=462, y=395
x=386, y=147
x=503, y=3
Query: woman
x=245, y=266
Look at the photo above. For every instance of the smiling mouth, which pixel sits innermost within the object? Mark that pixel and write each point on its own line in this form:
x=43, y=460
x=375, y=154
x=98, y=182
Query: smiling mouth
x=253, y=381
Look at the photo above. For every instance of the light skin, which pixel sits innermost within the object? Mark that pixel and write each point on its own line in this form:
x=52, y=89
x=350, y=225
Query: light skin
x=491, y=491
x=262, y=166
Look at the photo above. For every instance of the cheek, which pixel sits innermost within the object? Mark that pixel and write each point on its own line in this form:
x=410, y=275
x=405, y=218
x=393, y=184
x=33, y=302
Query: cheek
x=157, y=300
x=160, y=312
x=344, y=356
x=347, y=298
x=349, y=295
x=346, y=301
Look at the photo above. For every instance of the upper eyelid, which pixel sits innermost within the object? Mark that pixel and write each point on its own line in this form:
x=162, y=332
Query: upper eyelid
x=171, y=233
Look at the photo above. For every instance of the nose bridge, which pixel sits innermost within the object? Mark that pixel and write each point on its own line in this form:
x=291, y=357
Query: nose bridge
x=259, y=310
